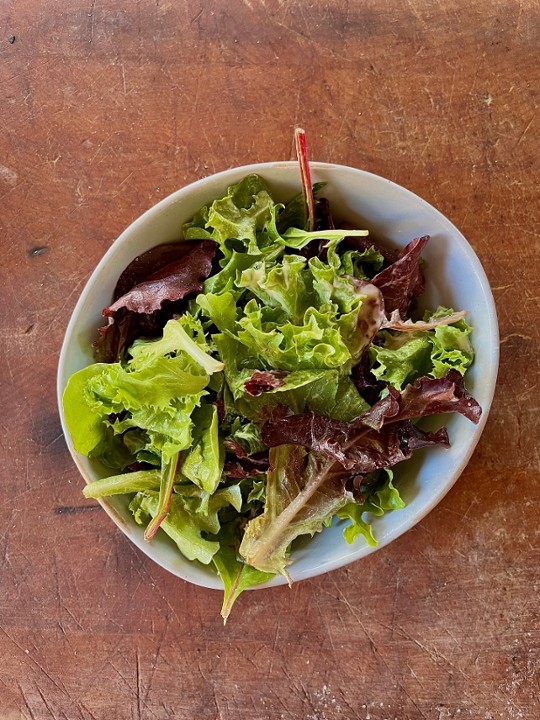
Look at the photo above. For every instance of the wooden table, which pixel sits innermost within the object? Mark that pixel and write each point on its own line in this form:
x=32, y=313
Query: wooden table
x=109, y=106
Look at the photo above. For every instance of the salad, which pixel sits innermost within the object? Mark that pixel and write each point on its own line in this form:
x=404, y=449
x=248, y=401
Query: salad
x=261, y=378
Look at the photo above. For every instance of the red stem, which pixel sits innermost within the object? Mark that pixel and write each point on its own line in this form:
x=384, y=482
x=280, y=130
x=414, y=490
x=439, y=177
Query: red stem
x=307, y=188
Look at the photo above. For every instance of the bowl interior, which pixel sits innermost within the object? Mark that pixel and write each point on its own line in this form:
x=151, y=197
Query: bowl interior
x=454, y=277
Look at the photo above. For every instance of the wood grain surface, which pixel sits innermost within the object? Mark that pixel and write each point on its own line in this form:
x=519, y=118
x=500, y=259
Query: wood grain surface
x=108, y=106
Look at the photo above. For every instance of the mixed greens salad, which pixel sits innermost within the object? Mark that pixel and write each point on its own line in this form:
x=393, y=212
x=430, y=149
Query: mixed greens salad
x=261, y=378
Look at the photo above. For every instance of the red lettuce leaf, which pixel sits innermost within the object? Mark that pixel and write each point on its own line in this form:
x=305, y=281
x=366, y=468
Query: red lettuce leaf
x=145, y=265
x=170, y=283
x=323, y=215
x=432, y=396
x=402, y=282
x=384, y=411
x=120, y=333
x=245, y=467
x=144, y=308
x=313, y=431
x=264, y=381
x=426, y=396
x=374, y=450
x=365, y=381
x=357, y=451
x=384, y=435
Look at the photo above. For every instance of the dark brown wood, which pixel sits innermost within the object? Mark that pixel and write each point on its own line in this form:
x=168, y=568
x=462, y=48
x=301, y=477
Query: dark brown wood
x=106, y=108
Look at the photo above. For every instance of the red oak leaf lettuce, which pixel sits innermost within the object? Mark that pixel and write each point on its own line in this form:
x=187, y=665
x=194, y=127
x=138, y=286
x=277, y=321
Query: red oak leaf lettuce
x=402, y=281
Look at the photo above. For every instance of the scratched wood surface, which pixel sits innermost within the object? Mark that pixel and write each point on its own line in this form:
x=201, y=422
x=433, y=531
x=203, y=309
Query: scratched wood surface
x=107, y=107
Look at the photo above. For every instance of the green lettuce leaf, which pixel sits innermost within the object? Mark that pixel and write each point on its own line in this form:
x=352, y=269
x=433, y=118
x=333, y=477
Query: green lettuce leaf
x=236, y=575
x=247, y=435
x=231, y=222
x=192, y=515
x=314, y=344
x=452, y=348
x=405, y=356
x=156, y=391
x=84, y=421
x=358, y=306
x=327, y=392
x=224, y=280
x=123, y=484
x=286, y=285
x=204, y=463
x=182, y=526
x=220, y=309
x=239, y=217
x=382, y=497
x=195, y=229
x=402, y=358
x=113, y=451
x=182, y=338
x=358, y=526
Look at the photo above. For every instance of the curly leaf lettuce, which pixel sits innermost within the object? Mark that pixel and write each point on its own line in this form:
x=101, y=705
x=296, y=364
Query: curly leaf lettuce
x=155, y=391
x=380, y=498
x=406, y=355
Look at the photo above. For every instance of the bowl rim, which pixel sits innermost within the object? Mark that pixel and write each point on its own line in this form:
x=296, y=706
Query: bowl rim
x=400, y=527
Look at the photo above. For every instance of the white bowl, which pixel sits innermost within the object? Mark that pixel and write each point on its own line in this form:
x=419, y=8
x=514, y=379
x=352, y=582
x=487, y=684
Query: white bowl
x=455, y=278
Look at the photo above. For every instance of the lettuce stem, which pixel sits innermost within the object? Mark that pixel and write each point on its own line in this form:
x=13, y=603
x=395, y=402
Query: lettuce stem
x=168, y=475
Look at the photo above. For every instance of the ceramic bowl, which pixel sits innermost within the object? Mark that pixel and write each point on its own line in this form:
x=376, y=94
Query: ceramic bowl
x=455, y=278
